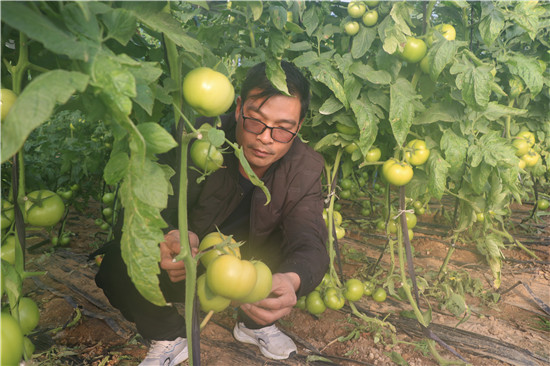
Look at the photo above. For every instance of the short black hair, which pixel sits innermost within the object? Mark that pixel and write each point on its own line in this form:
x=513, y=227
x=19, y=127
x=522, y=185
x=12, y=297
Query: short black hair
x=297, y=85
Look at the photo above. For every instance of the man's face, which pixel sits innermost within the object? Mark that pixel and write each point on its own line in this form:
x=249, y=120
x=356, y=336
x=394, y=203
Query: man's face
x=278, y=111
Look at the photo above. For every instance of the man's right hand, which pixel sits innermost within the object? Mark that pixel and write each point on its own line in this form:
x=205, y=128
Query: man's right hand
x=170, y=248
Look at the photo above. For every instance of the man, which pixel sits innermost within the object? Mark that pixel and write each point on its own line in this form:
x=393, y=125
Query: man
x=288, y=234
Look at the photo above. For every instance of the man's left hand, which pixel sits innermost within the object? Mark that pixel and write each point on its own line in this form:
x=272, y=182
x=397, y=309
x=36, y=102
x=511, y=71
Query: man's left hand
x=280, y=301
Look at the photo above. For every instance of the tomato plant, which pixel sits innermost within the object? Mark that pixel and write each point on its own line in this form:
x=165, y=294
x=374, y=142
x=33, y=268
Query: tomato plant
x=356, y=9
x=379, y=295
x=414, y=50
x=208, y=91
x=351, y=28
x=543, y=204
x=373, y=155
x=416, y=152
x=314, y=303
x=333, y=298
x=370, y=18
x=368, y=288
x=44, y=208
x=531, y=157
x=231, y=277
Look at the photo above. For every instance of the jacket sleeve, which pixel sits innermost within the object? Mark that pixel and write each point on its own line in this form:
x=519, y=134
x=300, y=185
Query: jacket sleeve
x=305, y=236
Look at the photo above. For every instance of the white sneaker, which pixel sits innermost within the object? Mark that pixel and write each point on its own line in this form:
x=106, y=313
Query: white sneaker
x=273, y=343
x=166, y=353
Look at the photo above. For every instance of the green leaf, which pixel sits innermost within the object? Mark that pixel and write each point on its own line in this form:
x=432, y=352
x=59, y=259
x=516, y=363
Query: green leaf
x=116, y=168
x=276, y=75
x=148, y=183
x=362, y=41
x=277, y=15
x=330, y=106
x=366, y=72
x=474, y=82
x=311, y=20
x=325, y=74
x=528, y=68
x=327, y=141
x=367, y=122
x=78, y=18
x=121, y=25
x=35, y=105
x=257, y=9
x=157, y=139
x=492, y=23
x=496, y=111
x=454, y=148
x=455, y=304
x=440, y=55
x=404, y=103
x=440, y=112
x=479, y=176
x=148, y=13
x=438, y=169
x=251, y=175
x=36, y=26
x=216, y=137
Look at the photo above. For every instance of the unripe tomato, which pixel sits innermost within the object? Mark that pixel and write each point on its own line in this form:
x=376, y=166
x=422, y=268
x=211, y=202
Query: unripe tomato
x=301, y=303
x=373, y=155
x=107, y=212
x=7, y=98
x=354, y=289
x=356, y=9
x=333, y=299
x=368, y=288
x=371, y=3
x=208, y=299
x=7, y=214
x=29, y=314
x=531, y=158
x=209, y=92
x=411, y=220
x=212, y=239
x=543, y=204
x=340, y=232
x=205, y=156
x=350, y=148
x=347, y=130
x=262, y=288
x=397, y=173
x=425, y=65
x=370, y=18
x=314, y=303
x=447, y=30
x=379, y=295
x=480, y=216
x=108, y=198
x=521, y=145
x=7, y=251
x=416, y=152
x=231, y=277
x=527, y=136
x=415, y=50
x=11, y=350
x=351, y=28
x=44, y=208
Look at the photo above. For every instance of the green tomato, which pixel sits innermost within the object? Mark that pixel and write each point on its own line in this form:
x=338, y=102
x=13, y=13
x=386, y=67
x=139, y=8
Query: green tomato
x=416, y=152
x=345, y=194
x=373, y=155
x=29, y=314
x=411, y=220
x=351, y=28
x=212, y=239
x=370, y=18
x=44, y=208
x=531, y=158
x=333, y=299
x=480, y=216
x=379, y=295
x=66, y=195
x=7, y=215
x=356, y=9
x=105, y=226
x=205, y=156
x=527, y=136
x=209, y=92
x=340, y=232
x=414, y=50
x=521, y=145
x=347, y=130
x=64, y=240
x=371, y=3
x=7, y=252
x=543, y=204
x=354, y=289
x=425, y=65
x=350, y=148
x=7, y=98
x=11, y=339
x=208, y=299
x=107, y=212
x=417, y=204
x=314, y=303
x=231, y=277
x=397, y=173
x=346, y=183
x=108, y=198
x=368, y=288
x=54, y=240
x=301, y=303
x=262, y=288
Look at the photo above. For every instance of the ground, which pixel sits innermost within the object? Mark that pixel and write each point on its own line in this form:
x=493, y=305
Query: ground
x=79, y=327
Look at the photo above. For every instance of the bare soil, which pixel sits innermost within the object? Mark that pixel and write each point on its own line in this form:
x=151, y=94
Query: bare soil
x=79, y=327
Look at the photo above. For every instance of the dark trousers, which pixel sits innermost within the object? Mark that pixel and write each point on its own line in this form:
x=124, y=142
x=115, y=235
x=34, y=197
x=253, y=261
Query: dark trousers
x=152, y=322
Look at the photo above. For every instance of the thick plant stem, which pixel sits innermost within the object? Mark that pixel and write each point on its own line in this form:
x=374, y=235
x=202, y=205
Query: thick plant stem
x=331, y=176
x=450, y=252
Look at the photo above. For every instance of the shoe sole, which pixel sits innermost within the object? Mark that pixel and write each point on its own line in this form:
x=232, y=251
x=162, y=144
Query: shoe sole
x=245, y=338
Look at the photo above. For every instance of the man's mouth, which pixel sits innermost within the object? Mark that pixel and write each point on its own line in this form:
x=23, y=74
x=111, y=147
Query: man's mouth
x=261, y=153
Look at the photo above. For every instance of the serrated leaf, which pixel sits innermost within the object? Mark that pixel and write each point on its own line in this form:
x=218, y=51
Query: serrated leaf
x=492, y=23
x=79, y=20
x=148, y=183
x=216, y=137
x=257, y=9
x=157, y=139
x=496, y=111
x=404, y=103
x=440, y=112
x=149, y=14
x=115, y=81
x=528, y=68
x=251, y=175
x=278, y=16
x=36, y=26
x=438, y=169
x=332, y=139
x=276, y=75
x=330, y=77
x=362, y=41
x=35, y=105
x=474, y=83
x=366, y=72
x=454, y=148
x=479, y=175
x=367, y=123
x=116, y=168
x=311, y=20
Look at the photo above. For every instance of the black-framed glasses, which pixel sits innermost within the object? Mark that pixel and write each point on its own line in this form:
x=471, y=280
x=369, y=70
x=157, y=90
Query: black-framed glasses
x=257, y=127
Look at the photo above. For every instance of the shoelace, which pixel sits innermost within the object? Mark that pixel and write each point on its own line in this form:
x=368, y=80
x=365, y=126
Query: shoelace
x=158, y=348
